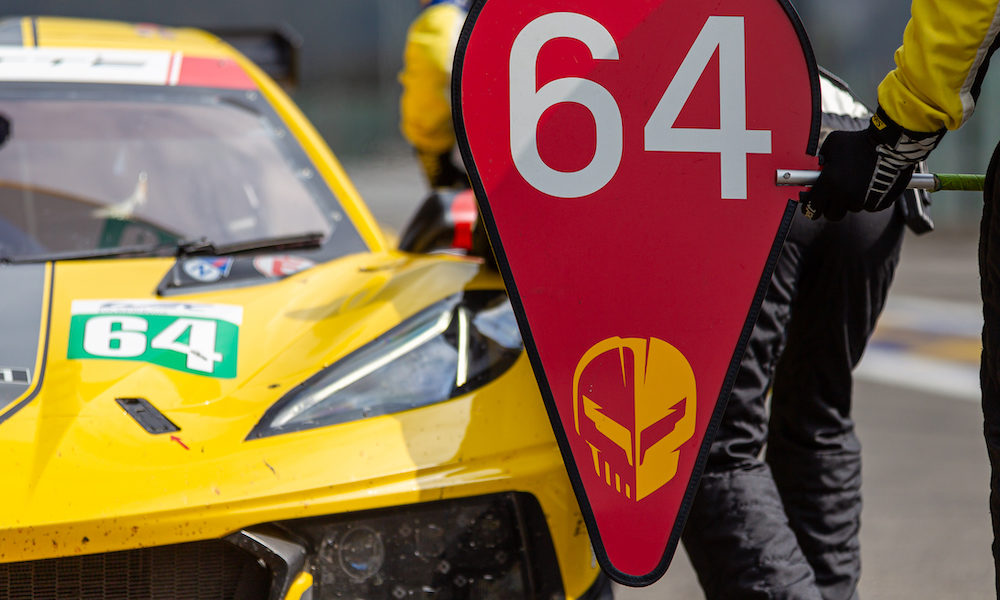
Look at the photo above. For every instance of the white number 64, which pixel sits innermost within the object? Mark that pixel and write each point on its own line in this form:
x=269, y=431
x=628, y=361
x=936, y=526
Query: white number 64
x=732, y=141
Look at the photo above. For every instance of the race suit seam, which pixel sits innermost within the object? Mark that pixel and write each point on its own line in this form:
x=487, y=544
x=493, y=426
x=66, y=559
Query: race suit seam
x=965, y=93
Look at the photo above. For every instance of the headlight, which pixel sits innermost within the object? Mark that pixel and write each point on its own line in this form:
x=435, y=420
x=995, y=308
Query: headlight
x=446, y=350
x=486, y=548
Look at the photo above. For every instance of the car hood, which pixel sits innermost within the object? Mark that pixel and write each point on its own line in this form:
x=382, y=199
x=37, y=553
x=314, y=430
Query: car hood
x=272, y=334
x=75, y=460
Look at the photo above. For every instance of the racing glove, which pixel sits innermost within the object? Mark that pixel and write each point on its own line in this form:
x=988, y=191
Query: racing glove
x=866, y=169
x=4, y=129
x=441, y=172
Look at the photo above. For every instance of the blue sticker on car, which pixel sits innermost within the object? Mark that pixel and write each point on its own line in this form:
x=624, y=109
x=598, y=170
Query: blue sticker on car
x=208, y=269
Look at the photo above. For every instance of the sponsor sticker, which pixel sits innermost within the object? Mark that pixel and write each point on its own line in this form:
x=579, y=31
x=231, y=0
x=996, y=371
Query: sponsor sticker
x=208, y=270
x=281, y=265
x=15, y=375
x=114, y=65
x=202, y=339
x=85, y=65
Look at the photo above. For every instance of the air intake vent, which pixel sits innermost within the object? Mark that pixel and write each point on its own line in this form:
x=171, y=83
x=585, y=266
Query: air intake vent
x=209, y=570
x=145, y=414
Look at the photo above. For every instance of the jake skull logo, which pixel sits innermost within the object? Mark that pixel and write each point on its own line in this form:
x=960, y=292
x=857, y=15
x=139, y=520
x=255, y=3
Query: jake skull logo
x=634, y=404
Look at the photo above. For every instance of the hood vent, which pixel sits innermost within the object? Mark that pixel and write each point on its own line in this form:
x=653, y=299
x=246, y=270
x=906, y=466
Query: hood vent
x=145, y=414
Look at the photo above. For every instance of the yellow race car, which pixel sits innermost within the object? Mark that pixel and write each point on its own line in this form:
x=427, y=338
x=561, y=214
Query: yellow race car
x=218, y=379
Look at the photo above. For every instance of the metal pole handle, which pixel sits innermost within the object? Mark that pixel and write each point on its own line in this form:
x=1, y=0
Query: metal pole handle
x=920, y=181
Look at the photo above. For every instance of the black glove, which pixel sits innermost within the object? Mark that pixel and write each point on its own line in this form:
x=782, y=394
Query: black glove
x=866, y=169
x=441, y=172
x=4, y=129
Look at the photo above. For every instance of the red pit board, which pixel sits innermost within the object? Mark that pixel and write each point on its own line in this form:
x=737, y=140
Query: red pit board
x=623, y=155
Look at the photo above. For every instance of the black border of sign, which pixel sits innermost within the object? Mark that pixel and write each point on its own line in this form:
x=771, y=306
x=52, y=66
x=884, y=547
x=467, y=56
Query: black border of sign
x=529, y=342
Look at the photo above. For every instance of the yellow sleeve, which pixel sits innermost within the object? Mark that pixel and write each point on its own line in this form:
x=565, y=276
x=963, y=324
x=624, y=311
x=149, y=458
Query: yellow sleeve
x=939, y=67
x=425, y=106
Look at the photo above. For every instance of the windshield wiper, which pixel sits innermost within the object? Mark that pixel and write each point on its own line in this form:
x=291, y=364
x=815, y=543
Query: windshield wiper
x=204, y=247
x=184, y=248
x=118, y=251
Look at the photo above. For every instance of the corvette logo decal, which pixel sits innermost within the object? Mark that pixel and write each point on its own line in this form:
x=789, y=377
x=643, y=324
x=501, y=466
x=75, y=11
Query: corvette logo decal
x=635, y=427
x=201, y=339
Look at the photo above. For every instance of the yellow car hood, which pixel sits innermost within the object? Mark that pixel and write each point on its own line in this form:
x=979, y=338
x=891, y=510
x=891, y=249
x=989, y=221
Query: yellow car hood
x=80, y=475
x=286, y=329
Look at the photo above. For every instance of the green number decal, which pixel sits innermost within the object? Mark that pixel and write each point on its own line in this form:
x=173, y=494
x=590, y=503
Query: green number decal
x=194, y=338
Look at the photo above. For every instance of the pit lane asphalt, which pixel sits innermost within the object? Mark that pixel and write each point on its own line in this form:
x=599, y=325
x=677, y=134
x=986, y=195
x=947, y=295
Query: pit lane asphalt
x=925, y=523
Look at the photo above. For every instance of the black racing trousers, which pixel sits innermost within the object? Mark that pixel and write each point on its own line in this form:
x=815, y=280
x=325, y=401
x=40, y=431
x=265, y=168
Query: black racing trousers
x=786, y=525
x=989, y=374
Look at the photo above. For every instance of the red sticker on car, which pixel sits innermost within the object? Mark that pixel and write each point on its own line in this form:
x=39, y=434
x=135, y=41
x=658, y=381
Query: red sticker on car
x=624, y=156
x=197, y=71
x=281, y=265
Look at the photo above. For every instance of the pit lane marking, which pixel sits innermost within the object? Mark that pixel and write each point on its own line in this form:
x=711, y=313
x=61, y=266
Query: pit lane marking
x=927, y=345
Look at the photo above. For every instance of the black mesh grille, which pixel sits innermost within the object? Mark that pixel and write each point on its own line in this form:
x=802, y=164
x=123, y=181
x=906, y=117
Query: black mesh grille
x=210, y=570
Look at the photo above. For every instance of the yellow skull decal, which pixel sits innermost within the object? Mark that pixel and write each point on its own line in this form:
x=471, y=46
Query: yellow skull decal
x=634, y=405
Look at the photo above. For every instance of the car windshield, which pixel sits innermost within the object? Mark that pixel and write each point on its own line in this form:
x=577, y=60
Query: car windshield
x=101, y=167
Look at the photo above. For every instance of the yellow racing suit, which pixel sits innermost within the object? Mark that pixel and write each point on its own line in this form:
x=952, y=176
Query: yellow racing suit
x=425, y=106
x=941, y=64
x=939, y=73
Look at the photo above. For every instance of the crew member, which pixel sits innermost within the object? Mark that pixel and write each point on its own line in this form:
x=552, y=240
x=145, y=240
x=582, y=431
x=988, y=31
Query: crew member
x=938, y=76
x=425, y=106
x=786, y=526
